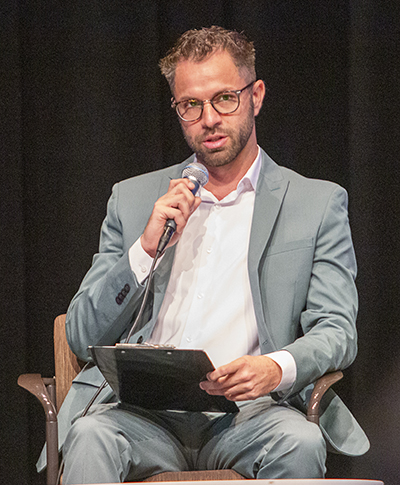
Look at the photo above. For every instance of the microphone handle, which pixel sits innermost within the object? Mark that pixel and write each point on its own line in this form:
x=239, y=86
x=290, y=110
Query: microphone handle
x=169, y=229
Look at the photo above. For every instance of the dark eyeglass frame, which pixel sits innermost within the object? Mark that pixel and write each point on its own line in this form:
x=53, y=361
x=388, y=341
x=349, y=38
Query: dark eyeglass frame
x=238, y=92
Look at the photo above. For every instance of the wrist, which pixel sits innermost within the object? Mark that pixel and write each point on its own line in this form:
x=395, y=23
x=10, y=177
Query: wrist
x=151, y=251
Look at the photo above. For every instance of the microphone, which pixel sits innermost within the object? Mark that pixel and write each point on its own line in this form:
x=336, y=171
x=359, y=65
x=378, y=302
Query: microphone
x=198, y=174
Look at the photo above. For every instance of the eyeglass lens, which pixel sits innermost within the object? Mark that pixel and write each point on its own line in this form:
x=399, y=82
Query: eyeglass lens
x=224, y=103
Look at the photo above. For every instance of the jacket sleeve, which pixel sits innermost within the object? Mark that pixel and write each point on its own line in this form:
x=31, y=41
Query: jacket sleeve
x=103, y=307
x=328, y=321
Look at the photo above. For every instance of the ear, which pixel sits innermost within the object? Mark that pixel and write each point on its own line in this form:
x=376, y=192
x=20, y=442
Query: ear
x=258, y=95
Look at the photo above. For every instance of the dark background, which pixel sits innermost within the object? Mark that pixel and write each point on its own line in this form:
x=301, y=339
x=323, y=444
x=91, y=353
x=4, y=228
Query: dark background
x=83, y=105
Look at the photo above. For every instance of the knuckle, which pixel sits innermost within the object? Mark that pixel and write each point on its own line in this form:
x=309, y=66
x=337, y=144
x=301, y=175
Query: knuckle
x=248, y=388
x=252, y=395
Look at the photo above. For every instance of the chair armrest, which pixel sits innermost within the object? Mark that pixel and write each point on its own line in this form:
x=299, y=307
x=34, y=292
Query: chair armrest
x=320, y=388
x=36, y=386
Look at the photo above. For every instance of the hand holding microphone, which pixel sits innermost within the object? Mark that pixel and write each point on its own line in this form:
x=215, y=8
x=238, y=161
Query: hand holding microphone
x=172, y=211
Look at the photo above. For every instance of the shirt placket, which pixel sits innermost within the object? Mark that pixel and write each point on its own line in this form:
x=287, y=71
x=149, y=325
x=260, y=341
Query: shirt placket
x=208, y=262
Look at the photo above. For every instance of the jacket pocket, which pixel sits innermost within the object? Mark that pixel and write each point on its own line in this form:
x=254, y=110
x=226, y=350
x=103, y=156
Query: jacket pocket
x=290, y=246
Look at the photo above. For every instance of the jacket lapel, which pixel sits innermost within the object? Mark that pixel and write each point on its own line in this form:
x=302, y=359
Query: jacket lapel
x=270, y=193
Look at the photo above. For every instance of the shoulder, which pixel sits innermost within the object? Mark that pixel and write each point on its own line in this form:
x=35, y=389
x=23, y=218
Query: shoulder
x=302, y=182
x=299, y=186
x=151, y=179
x=148, y=185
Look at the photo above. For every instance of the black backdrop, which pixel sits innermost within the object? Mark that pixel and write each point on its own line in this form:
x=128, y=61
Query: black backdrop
x=83, y=105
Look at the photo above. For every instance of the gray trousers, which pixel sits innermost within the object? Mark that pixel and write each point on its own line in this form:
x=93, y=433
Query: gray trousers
x=263, y=440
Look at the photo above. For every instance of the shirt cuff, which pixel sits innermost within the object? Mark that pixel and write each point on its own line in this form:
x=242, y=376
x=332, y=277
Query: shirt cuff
x=140, y=262
x=286, y=362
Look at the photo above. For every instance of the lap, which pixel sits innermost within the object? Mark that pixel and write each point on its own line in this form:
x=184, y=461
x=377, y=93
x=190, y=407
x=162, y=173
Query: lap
x=111, y=444
x=261, y=427
x=172, y=441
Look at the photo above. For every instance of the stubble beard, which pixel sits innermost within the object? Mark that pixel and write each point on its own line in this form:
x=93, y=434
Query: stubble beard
x=219, y=157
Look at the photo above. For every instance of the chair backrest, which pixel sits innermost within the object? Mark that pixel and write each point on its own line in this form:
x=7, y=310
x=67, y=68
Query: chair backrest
x=67, y=365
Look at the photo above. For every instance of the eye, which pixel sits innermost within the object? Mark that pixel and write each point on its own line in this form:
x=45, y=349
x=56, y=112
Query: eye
x=224, y=97
x=191, y=103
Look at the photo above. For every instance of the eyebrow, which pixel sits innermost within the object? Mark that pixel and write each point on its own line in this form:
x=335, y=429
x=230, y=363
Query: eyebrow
x=187, y=98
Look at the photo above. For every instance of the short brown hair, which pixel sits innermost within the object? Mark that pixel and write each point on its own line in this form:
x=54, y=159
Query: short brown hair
x=196, y=45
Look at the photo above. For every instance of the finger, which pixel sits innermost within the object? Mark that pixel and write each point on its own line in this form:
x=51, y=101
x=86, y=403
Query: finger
x=224, y=370
x=219, y=384
x=184, y=181
x=230, y=393
x=226, y=388
x=178, y=204
x=242, y=392
x=180, y=197
x=174, y=204
x=177, y=208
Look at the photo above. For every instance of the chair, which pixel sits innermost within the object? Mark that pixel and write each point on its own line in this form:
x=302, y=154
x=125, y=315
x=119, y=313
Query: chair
x=51, y=393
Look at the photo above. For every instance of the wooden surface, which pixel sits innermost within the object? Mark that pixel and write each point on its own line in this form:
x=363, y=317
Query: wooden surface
x=292, y=481
x=66, y=363
x=195, y=476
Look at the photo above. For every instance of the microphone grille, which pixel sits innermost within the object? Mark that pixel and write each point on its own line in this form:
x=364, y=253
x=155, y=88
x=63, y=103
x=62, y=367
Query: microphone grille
x=196, y=170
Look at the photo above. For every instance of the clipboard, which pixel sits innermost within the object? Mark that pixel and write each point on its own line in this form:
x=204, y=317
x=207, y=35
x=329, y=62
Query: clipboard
x=159, y=378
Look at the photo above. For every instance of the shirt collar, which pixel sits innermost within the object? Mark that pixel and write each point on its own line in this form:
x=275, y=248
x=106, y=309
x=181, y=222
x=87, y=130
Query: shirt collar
x=249, y=180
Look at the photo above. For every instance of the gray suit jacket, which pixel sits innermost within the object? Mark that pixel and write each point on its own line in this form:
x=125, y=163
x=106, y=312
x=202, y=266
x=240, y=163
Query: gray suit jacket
x=301, y=267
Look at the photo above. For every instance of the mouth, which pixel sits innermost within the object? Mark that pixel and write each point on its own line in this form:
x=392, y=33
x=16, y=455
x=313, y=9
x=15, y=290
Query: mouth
x=213, y=142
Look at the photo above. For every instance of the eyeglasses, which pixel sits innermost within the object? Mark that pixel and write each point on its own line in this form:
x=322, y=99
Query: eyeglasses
x=224, y=103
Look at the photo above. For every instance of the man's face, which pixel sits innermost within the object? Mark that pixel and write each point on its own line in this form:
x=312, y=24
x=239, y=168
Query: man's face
x=217, y=139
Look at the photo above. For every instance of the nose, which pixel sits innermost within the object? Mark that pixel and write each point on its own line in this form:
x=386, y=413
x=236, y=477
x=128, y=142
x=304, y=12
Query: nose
x=210, y=116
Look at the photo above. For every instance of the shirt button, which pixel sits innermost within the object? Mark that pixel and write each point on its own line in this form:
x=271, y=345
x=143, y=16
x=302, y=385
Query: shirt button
x=200, y=296
x=217, y=207
x=188, y=339
x=209, y=250
x=143, y=269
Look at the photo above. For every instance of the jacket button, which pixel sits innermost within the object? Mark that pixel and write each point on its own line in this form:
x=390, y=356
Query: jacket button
x=127, y=288
x=118, y=300
x=140, y=339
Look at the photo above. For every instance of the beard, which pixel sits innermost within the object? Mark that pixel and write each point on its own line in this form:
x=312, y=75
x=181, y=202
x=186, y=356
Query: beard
x=219, y=157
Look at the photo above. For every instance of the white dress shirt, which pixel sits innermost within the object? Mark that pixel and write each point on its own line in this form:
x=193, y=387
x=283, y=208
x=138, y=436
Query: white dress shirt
x=208, y=303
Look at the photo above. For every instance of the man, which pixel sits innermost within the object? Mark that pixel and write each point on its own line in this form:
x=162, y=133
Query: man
x=259, y=273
